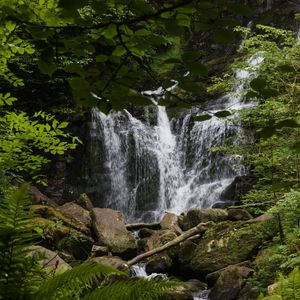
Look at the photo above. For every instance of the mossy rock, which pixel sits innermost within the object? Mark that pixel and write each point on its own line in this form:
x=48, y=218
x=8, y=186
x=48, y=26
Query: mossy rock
x=57, y=236
x=196, y=216
x=227, y=243
x=58, y=216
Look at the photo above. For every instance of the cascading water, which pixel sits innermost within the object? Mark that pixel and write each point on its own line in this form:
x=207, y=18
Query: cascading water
x=145, y=170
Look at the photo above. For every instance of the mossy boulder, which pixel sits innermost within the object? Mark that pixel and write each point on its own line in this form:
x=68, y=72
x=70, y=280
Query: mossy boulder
x=75, y=211
x=163, y=261
x=59, y=216
x=196, y=216
x=60, y=237
x=178, y=293
x=227, y=243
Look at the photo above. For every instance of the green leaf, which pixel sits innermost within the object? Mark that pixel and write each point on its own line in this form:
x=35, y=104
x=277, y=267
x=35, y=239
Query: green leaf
x=139, y=100
x=288, y=123
x=110, y=31
x=202, y=118
x=192, y=87
x=268, y=92
x=46, y=68
x=197, y=68
x=252, y=94
x=63, y=125
x=101, y=58
x=286, y=68
x=142, y=32
x=10, y=26
x=223, y=114
x=224, y=36
x=119, y=51
x=258, y=84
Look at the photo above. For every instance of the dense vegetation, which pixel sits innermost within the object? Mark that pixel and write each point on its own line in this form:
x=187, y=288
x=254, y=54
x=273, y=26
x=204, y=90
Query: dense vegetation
x=102, y=53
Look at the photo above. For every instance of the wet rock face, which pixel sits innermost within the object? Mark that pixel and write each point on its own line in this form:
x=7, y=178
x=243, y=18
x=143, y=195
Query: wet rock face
x=225, y=244
x=110, y=229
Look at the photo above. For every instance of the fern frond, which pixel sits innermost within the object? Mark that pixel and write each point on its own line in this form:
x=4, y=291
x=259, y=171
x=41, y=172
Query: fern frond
x=133, y=289
x=74, y=280
x=19, y=273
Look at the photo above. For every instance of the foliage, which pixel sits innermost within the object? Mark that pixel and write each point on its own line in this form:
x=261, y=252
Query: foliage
x=22, y=277
x=110, y=48
x=273, y=150
x=19, y=273
x=24, y=141
x=288, y=287
x=81, y=283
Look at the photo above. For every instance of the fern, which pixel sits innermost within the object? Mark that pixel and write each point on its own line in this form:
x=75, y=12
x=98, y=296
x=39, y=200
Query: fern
x=19, y=273
x=288, y=287
x=74, y=281
x=133, y=289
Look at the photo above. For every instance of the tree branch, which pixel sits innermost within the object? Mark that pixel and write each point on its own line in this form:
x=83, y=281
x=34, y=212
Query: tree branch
x=135, y=20
x=200, y=228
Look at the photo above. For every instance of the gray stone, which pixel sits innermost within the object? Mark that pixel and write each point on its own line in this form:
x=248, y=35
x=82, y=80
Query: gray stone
x=110, y=229
x=76, y=212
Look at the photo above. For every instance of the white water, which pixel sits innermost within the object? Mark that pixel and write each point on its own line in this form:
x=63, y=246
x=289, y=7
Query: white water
x=145, y=169
x=140, y=271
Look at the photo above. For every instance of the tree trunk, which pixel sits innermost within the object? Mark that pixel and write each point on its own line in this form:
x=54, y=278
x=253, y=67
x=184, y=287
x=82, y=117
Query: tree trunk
x=200, y=228
x=138, y=226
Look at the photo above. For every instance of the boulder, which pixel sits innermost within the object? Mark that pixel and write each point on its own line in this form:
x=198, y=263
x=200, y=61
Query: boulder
x=212, y=278
x=248, y=293
x=38, y=197
x=229, y=283
x=58, y=216
x=76, y=212
x=49, y=260
x=85, y=202
x=99, y=250
x=113, y=261
x=170, y=221
x=63, y=238
x=162, y=262
x=195, y=285
x=178, y=293
x=110, y=230
x=238, y=214
x=196, y=216
x=225, y=244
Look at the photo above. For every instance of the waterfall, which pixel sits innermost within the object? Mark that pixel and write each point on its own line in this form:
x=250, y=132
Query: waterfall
x=146, y=168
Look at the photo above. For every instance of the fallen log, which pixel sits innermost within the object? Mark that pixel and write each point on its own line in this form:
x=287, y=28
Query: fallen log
x=137, y=226
x=200, y=228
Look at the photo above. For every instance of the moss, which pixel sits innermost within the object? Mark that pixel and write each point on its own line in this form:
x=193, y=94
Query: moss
x=229, y=243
